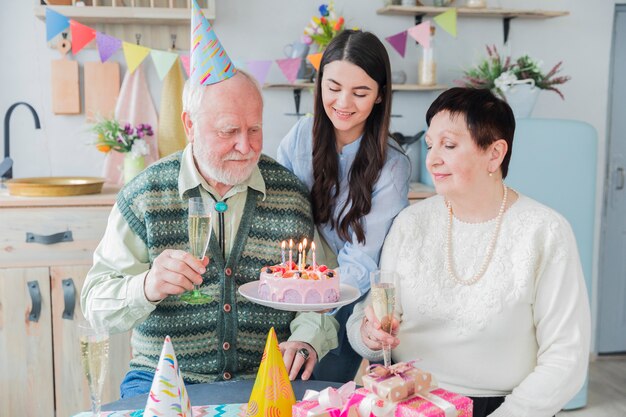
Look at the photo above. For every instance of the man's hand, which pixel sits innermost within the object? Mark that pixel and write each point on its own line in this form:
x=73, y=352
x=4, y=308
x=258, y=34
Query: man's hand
x=372, y=333
x=294, y=360
x=173, y=272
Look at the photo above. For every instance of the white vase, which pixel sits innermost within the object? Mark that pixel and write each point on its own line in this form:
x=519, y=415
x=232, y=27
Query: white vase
x=522, y=98
x=132, y=166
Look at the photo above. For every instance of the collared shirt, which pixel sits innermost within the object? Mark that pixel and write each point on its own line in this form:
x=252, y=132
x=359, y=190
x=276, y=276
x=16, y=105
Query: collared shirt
x=389, y=196
x=113, y=294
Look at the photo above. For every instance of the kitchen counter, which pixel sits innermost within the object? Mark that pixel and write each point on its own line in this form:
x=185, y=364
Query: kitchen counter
x=106, y=198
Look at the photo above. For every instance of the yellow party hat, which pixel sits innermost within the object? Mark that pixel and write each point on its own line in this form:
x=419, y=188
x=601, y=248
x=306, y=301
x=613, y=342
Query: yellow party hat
x=272, y=394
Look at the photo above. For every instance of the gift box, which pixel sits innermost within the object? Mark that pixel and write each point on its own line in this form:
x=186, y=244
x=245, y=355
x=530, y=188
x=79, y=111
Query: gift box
x=435, y=403
x=396, y=382
x=329, y=402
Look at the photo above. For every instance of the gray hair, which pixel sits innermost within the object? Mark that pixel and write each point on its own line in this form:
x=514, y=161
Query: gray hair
x=193, y=94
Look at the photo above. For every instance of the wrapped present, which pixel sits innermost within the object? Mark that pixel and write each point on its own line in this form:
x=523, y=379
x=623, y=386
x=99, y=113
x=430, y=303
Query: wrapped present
x=435, y=403
x=397, y=382
x=330, y=402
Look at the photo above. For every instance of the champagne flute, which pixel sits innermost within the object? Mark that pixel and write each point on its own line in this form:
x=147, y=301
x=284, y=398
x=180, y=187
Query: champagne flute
x=94, y=352
x=384, y=303
x=199, y=229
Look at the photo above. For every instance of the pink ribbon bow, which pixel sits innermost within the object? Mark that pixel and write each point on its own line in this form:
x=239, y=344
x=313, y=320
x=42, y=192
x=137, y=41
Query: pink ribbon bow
x=331, y=400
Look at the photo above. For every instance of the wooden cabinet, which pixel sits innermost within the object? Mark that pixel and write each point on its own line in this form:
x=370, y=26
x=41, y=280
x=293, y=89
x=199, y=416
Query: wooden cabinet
x=40, y=365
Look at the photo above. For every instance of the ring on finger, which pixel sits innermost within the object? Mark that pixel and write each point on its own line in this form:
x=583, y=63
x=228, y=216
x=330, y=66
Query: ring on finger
x=304, y=352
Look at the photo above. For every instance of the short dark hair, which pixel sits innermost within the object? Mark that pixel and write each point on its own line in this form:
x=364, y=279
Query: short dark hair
x=488, y=117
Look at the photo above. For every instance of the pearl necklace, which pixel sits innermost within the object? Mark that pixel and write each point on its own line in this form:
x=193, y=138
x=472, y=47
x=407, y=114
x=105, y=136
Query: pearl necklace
x=490, y=249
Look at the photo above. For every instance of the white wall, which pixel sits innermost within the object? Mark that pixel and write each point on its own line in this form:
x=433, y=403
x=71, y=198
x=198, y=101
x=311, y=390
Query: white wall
x=259, y=30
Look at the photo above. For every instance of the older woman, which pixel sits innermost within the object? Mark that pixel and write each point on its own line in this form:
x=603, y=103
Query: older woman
x=491, y=293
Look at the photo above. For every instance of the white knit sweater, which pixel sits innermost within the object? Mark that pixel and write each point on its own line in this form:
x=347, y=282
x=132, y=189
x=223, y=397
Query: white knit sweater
x=523, y=330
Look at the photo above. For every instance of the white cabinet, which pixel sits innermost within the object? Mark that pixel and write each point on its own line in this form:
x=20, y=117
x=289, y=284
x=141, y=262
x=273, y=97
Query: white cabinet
x=39, y=351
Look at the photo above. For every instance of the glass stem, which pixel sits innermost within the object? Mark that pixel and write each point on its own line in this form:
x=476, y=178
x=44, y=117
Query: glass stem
x=95, y=406
x=386, y=355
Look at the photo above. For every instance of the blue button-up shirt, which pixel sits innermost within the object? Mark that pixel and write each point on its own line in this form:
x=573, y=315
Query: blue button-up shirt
x=390, y=195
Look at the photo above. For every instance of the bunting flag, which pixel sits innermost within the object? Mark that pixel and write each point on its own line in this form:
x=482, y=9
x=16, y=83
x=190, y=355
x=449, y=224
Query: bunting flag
x=289, y=68
x=134, y=54
x=55, y=23
x=398, y=41
x=185, y=61
x=163, y=61
x=81, y=35
x=315, y=60
x=421, y=33
x=210, y=63
x=259, y=70
x=107, y=45
x=447, y=21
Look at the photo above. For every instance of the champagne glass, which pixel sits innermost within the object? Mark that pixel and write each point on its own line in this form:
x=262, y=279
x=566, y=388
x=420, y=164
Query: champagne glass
x=199, y=221
x=94, y=352
x=384, y=303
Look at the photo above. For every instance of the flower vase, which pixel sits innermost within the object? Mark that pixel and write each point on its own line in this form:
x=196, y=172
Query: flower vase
x=522, y=97
x=133, y=165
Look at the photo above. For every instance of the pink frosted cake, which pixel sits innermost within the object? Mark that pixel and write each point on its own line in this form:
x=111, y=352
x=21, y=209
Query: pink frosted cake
x=307, y=286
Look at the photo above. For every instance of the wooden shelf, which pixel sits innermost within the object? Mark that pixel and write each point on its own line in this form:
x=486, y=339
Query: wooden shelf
x=394, y=87
x=470, y=12
x=127, y=15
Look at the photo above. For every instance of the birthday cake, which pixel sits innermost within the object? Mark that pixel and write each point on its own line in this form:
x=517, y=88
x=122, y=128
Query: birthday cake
x=309, y=285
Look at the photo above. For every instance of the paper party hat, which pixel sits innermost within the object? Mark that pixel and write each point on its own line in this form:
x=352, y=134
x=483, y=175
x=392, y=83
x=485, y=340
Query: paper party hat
x=210, y=63
x=168, y=395
x=272, y=394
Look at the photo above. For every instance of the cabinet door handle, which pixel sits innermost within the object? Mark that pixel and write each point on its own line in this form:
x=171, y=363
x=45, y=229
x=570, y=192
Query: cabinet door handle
x=49, y=239
x=35, y=298
x=69, y=298
x=620, y=178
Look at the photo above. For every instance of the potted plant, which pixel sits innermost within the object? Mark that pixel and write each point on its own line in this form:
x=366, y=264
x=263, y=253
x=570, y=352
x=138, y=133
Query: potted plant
x=111, y=136
x=518, y=81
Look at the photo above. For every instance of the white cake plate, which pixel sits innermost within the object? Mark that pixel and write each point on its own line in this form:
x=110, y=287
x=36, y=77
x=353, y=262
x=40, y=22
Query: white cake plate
x=347, y=295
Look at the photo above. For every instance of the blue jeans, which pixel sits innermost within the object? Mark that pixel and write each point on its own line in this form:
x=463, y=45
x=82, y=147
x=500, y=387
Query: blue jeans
x=136, y=383
x=342, y=363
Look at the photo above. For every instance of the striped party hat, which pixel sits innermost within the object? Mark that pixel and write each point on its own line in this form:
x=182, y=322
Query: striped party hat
x=210, y=63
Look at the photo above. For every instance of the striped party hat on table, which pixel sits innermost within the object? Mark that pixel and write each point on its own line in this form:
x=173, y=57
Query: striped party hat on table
x=168, y=395
x=210, y=63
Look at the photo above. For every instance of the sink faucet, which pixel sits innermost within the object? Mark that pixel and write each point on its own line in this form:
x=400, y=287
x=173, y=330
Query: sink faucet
x=6, y=166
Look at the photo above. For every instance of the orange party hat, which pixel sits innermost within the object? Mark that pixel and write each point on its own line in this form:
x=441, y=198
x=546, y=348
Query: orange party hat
x=272, y=394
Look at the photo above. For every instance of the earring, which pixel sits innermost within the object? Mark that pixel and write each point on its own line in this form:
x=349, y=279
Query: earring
x=491, y=174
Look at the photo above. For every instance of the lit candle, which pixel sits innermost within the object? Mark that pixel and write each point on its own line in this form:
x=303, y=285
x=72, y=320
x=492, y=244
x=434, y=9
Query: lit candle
x=282, y=252
x=304, y=242
x=290, y=248
x=300, y=256
x=313, y=255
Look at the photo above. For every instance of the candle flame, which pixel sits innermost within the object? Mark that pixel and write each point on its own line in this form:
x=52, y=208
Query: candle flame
x=304, y=242
x=290, y=243
x=299, y=247
x=282, y=244
x=312, y=245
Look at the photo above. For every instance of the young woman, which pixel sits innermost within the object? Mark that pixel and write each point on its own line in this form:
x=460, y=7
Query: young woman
x=491, y=295
x=357, y=174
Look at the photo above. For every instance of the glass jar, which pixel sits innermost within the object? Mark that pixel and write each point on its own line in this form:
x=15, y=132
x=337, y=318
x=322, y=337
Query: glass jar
x=427, y=66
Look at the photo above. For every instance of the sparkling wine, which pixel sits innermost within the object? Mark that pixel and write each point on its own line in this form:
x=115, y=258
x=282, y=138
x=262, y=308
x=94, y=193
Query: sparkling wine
x=199, y=234
x=383, y=303
x=94, y=351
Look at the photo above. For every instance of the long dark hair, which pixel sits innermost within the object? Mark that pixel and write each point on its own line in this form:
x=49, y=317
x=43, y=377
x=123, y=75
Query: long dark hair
x=366, y=51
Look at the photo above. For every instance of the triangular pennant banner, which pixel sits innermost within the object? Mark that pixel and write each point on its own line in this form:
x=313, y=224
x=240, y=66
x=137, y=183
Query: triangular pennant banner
x=447, y=21
x=185, y=60
x=210, y=63
x=163, y=61
x=81, y=35
x=55, y=23
x=107, y=45
x=272, y=394
x=289, y=67
x=134, y=54
x=398, y=41
x=315, y=60
x=421, y=33
x=259, y=70
x=168, y=394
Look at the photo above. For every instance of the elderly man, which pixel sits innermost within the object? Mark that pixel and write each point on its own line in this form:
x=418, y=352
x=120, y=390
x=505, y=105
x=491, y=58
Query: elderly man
x=142, y=264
